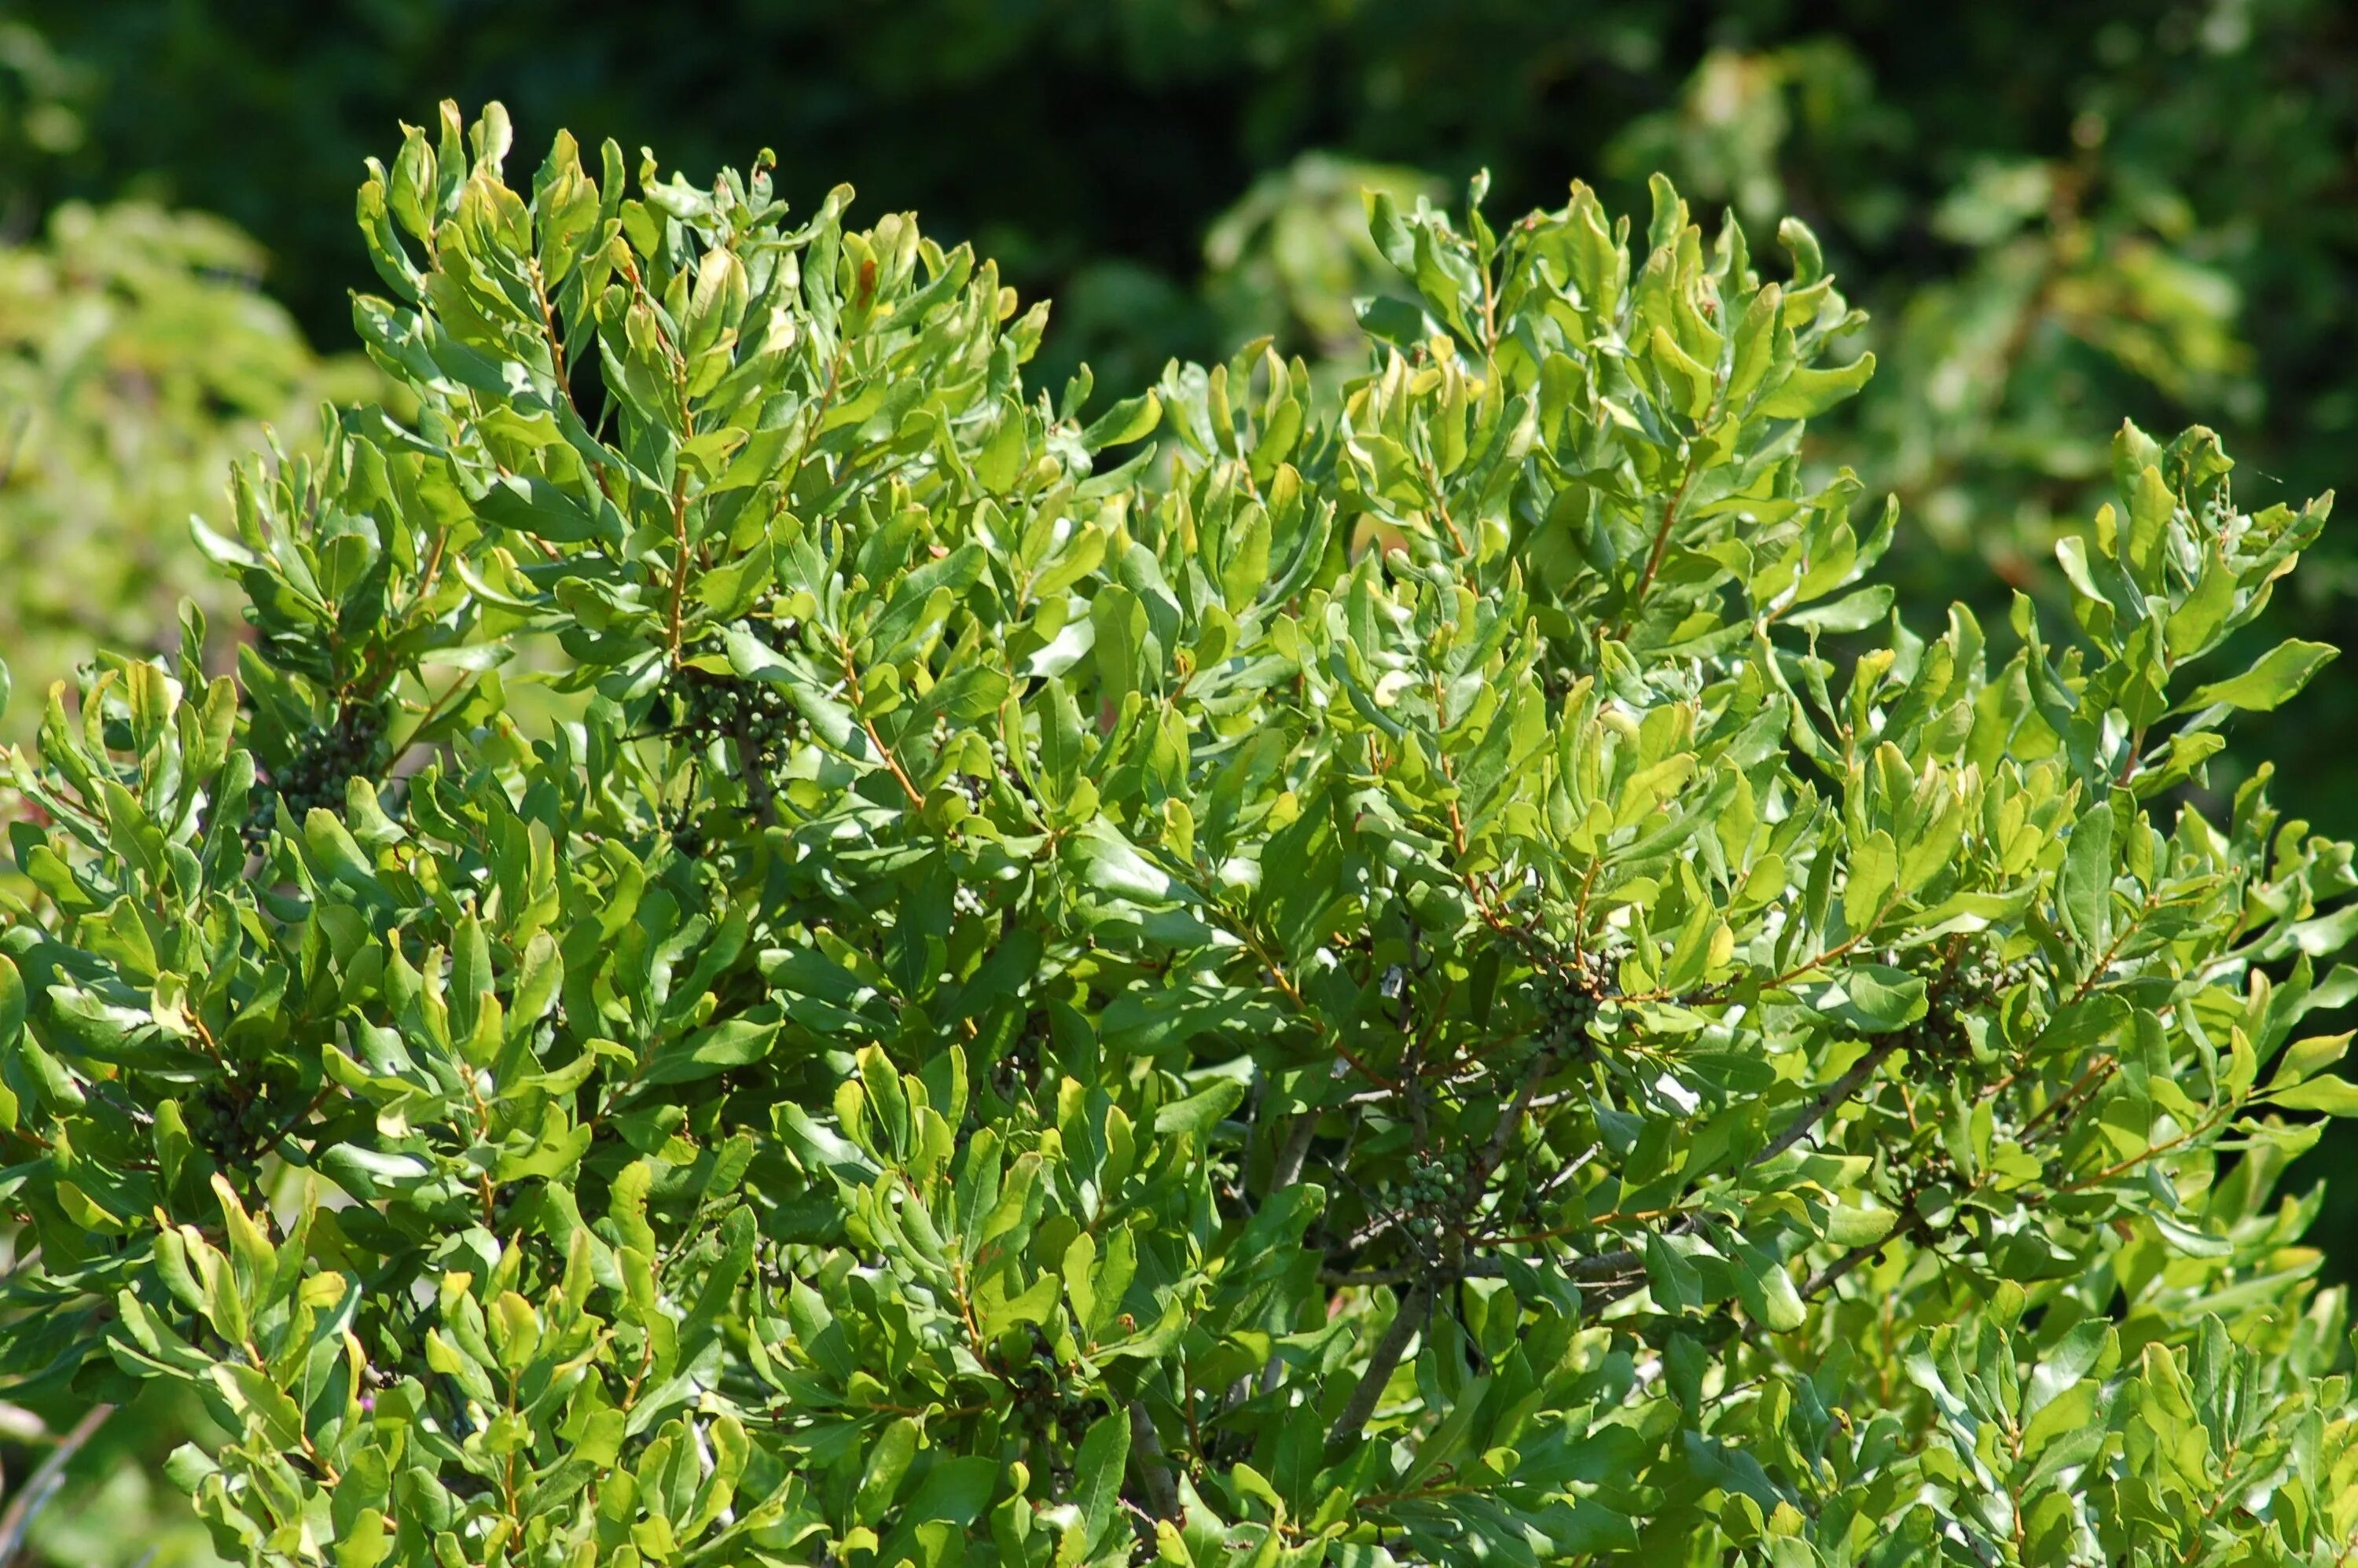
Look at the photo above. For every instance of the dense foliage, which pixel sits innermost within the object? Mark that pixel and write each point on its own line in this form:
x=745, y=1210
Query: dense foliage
x=2060, y=214
x=1349, y=988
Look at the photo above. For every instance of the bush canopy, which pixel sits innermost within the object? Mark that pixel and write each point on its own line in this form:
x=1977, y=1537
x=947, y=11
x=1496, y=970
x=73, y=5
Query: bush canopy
x=785, y=951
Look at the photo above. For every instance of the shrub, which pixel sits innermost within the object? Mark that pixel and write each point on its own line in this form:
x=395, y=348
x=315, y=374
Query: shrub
x=1343, y=991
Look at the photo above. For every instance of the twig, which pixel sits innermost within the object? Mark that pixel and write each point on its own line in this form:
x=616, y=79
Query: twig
x=1382, y=1362
x=1835, y=1273
x=1661, y=543
x=1841, y=1090
x=44, y=1482
x=892, y=762
x=1603, y=1266
x=680, y=559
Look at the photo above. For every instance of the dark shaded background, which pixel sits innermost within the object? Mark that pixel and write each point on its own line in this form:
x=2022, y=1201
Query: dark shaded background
x=1091, y=145
x=1065, y=134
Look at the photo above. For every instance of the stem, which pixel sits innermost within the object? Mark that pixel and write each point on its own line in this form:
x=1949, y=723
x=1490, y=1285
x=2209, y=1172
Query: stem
x=679, y=559
x=1441, y=506
x=44, y=1482
x=1661, y=542
x=1382, y=1362
x=851, y=686
x=1293, y=994
x=2064, y=1101
x=2151, y=1151
x=1841, y=1090
x=818, y=418
x=441, y=705
x=557, y=367
x=1833, y=1273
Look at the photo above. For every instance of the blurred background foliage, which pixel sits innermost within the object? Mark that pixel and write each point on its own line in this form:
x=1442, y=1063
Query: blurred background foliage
x=137, y=358
x=2059, y=213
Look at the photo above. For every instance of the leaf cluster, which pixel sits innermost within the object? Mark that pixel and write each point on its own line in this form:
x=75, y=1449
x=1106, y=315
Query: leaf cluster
x=787, y=951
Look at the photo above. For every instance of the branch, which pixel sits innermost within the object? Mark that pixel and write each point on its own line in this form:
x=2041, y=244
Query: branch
x=1661, y=543
x=1503, y=1137
x=44, y=1482
x=1909, y=1223
x=1401, y=1273
x=1295, y=1151
x=1841, y=1090
x=1610, y=1265
x=1382, y=1362
x=1291, y=1154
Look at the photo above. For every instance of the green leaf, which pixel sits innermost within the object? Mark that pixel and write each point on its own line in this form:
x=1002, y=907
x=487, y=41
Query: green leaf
x=1132, y=419
x=2084, y=893
x=1870, y=999
x=956, y=1490
x=1852, y=612
x=1806, y=393
x=1755, y=342
x=1691, y=384
x=370, y=1174
x=2191, y=1241
x=2301, y=1060
x=737, y=1043
x=1201, y=1111
x=1675, y=1285
x=888, y=1462
x=2330, y=1096
x=12, y=1003
x=2279, y=675
x=1098, y=1474
x=1852, y=1227
x=1119, y=652
x=535, y=506
x=1767, y=1291
x=1873, y=877
x=1111, y=864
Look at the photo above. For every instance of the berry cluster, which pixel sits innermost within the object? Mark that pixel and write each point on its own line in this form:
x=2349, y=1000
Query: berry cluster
x=1053, y=1393
x=705, y=707
x=1430, y=1191
x=1939, y=1041
x=700, y=708
x=327, y=757
x=976, y=789
x=999, y=755
x=231, y=1127
x=1571, y=999
x=1981, y=978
